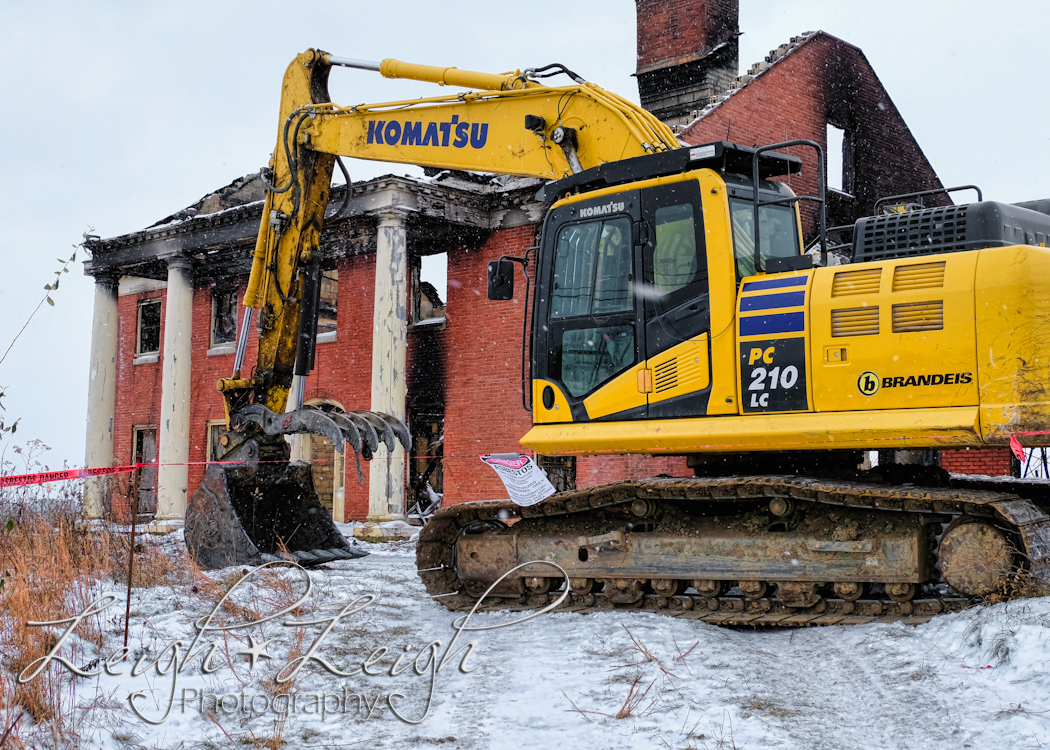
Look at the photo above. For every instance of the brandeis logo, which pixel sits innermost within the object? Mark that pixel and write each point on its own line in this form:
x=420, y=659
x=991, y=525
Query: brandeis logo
x=869, y=383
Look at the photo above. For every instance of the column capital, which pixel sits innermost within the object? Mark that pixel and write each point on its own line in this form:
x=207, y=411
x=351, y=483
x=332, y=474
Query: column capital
x=107, y=277
x=391, y=216
x=178, y=261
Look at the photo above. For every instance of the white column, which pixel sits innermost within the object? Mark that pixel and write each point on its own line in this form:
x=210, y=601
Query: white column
x=386, y=478
x=299, y=445
x=173, y=450
x=102, y=393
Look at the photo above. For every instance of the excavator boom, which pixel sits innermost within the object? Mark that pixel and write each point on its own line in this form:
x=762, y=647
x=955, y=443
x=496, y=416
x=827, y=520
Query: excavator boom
x=510, y=124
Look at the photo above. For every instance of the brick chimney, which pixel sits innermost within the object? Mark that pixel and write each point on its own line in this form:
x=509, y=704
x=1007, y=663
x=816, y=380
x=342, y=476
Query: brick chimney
x=687, y=53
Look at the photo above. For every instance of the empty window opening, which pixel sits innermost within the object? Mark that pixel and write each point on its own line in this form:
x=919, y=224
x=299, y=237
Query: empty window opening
x=431, y=289
x=149, y=327
x=145, y=478
x=223, y=316
x=326, y=313
x=839, y=155
x=426, y=469
x=216, y=429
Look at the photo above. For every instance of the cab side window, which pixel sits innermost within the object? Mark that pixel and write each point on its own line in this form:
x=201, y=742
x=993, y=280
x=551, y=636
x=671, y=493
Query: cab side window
x=592, y=269
x=677, y=264
x=779, y=234
x=592, y=304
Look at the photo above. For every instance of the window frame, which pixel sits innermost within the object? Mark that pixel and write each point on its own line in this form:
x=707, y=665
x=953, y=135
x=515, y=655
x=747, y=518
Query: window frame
x=138, y=435
x=788, y=209
x=328, y=334
x=210, y=445
x=216, y=293
x=143, y=303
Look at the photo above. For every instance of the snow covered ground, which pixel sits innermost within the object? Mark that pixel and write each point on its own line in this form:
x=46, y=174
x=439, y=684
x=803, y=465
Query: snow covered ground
x=976, y=679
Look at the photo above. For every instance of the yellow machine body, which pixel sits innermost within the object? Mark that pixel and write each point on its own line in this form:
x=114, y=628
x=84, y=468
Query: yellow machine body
x=933, y=351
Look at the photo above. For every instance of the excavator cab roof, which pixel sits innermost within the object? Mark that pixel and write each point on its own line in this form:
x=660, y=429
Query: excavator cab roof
x=721, y=156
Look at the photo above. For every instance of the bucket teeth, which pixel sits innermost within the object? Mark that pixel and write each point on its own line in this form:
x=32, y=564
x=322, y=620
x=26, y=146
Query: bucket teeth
x=386, y=436
x=321, y=556
x=363, y=430
x=367, y=432
x=350, y=432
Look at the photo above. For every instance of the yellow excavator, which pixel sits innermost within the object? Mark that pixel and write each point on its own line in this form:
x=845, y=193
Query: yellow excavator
x=675, y=311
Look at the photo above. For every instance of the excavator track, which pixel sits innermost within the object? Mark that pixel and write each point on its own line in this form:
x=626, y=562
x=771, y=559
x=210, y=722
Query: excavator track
x=1014, y=511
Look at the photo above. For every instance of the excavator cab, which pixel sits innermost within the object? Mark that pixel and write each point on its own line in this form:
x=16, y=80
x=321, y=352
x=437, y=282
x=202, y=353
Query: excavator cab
x=637, y=281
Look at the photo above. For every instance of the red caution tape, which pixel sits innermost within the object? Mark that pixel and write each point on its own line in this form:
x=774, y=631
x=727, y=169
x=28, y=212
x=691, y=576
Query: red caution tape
x=20, y=480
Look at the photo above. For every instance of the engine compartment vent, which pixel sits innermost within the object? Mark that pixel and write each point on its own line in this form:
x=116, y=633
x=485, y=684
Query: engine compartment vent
x=911, y=233
x=865, y=281
x=919, y=276
x=918, y=316
x=855, y=321
x=665, y=376
x=949, y=229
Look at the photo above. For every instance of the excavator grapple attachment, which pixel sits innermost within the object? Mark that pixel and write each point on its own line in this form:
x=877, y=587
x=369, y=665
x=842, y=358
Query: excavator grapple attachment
x=254, y=506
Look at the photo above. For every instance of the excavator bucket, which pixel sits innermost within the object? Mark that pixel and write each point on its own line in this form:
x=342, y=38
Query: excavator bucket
x=254, y=506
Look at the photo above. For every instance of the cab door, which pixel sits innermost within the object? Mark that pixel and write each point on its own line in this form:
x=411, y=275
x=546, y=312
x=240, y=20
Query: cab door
x=675, y=294
x=591, y=345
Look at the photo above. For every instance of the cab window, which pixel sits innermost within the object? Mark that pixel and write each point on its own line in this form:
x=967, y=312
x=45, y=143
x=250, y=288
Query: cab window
x=779, y=233
x=675, y=261
x=592, y=304
x=590, y=356
x=592, y=269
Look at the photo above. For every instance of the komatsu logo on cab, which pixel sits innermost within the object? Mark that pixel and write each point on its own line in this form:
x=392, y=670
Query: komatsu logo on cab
x=440, y=134
x=608, y=208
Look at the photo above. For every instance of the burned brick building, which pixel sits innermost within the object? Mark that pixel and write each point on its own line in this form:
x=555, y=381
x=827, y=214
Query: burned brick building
x=168, y=297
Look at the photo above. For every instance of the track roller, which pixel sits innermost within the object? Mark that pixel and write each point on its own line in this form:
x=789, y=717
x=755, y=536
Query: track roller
x=753, y=589
x=901, y=592
x=850, y=591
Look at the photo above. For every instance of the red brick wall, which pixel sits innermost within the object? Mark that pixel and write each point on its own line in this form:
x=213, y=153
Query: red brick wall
x=675, y=29
x=993, y=462
x=483, y=411
x=206, y=403
x=343, y=368
x=138, y=390
x=338, y=375
x=825, y=78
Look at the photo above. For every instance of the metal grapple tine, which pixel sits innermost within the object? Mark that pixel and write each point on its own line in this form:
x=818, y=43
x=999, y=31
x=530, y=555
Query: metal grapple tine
x=399, y=428
x=311, y=421
x=382, y=429
x=368, y=434
x=350, y=431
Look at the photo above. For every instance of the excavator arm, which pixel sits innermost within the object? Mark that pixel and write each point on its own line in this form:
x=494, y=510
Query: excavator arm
x=511, y=124
x=254, y=504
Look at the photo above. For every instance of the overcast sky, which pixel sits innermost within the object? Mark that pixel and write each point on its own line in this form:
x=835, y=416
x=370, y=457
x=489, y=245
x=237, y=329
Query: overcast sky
x=117, y=114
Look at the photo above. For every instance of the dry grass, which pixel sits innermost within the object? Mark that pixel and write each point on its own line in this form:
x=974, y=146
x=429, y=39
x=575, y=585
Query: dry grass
x=152, y=566
x=634, y=699
x=55, y=569
x=57, y=566
x=640, y=647
x=1017, y=585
